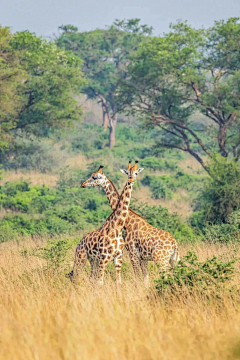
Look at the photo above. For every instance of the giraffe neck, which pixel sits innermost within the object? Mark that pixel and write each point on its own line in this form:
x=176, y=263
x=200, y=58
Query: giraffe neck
x=120, y=215
x=111, y=192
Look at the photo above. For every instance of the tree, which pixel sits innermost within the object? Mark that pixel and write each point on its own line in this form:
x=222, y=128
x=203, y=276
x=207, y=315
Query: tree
x=173, y=78
x=39, y=81
x=106, y=55
x=10, y=78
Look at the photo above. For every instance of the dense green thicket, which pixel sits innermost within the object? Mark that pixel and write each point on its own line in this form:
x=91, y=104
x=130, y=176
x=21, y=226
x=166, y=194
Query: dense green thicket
x=221, y=195
x=163, y=186
x=37, y=210
x=217, y=209
x=40, y=210
x=192, y=276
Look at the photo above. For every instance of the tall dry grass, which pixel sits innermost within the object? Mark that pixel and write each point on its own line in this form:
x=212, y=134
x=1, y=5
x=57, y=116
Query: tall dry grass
x=42, y=316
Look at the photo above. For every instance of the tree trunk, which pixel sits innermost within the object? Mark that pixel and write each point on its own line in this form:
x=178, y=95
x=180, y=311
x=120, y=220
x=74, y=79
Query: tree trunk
x=112, y=126
x=105, y=120
x=112, y=137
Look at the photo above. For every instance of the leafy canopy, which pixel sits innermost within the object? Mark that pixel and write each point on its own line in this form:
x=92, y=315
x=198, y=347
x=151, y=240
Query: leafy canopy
x=186, y=74
x=37, y=83
x=105, y=54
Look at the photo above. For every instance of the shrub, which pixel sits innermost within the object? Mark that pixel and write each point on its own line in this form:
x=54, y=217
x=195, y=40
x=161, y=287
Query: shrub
x=43, y=211
x=163, y=186
x=161, y=191
x=159, y=163
x=220, y=195
x=55, y=252
x=234, y=218
x=190, y=273
x=7, y=233
x=70, y=178
x=29, y=155
x=223, y=233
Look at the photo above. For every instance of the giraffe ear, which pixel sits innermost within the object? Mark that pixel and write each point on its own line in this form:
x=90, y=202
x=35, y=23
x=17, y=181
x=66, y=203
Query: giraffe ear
x=124, y=171
x=139, y=170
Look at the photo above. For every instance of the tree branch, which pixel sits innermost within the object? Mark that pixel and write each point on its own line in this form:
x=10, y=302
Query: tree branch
x=170, y=121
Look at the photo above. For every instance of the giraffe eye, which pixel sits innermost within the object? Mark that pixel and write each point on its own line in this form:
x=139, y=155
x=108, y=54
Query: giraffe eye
x=94, y=177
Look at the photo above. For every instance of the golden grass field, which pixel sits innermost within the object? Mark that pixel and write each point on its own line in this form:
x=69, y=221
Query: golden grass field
x=42, y=316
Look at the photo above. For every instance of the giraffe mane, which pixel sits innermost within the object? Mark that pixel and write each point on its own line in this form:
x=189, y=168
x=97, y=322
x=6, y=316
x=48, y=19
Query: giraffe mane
x=112, y=184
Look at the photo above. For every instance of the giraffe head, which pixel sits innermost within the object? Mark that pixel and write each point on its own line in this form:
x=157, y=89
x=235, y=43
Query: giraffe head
x=96, y=179
x=132, y=171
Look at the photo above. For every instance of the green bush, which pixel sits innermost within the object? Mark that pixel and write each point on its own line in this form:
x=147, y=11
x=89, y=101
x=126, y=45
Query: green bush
x=163, y=186
x=7, y=233
x=203, y=277
x=39, y=210
x=223, y=233
x=55, y=252
x=29, y=155
x=155, y=163
x=234, y=218
x=220, y=232
x=160, y=190
x=220, y=195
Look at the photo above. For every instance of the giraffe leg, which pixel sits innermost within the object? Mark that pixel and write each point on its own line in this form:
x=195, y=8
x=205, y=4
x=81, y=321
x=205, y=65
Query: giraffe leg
x=144, y=267
x=79, y=263
x=135, y=261
x=100, y=271
x=174, y=258
x=94, y=266
x=118, y=266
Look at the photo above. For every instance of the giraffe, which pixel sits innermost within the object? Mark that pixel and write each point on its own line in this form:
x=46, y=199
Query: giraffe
x=106, y=243
x=143, y=241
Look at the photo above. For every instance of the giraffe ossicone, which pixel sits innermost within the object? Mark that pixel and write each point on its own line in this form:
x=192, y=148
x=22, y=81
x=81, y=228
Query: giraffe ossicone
x=106, y=243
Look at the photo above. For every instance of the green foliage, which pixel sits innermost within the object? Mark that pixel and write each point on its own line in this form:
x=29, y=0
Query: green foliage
x=221, y=195
x=195, y=276
x=55, y=251
x=159, y=217
x=65, y=209
x=223, y=233
x=7, y=233
x=40, y=210
x=163, y=186
x=159, y=164
x=38, y=82
x=92, y=141
x=194, y=107
x=173, y=78
x=105, y=54
x=29, y=155
x=234, y=218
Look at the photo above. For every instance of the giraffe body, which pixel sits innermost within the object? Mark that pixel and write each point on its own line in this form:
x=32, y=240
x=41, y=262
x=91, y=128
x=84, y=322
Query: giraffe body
x=143, y=241
x=106, y=243
x=100, y=247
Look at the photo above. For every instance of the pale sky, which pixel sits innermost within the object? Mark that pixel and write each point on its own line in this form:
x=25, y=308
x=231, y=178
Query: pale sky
x=44, y=16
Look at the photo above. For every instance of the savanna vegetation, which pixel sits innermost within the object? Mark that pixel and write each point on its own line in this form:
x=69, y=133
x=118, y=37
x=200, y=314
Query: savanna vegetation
x=104, y=97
